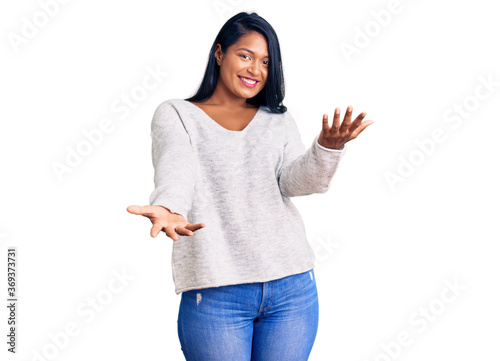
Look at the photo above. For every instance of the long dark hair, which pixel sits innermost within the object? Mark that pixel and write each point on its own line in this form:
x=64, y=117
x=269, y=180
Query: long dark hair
x=241, y=24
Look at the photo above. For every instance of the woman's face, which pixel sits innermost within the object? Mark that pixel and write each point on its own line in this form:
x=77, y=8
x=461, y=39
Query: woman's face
x=247, y=58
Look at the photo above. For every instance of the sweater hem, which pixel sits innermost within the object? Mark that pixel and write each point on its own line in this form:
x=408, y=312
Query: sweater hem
x=233, y=283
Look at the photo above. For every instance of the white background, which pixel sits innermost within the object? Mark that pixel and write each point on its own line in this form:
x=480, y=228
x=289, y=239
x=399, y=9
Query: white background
x=384, y=252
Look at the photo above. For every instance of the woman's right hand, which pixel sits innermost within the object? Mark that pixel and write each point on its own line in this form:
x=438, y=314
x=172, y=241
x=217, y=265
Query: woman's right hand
x=164, y=220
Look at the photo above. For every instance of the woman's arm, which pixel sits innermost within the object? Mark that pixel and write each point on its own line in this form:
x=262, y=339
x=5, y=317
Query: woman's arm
x=306, y=172
x=174, y=162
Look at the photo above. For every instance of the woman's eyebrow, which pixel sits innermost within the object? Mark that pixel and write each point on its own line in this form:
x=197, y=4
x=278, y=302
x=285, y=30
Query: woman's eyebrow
x=250, y=51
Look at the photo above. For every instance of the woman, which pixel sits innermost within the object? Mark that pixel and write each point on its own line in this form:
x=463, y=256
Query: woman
x=231, y=157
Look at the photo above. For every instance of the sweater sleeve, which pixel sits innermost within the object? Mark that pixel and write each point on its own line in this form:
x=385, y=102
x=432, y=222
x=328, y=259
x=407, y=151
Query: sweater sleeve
x=174, y=162
x=305, y=172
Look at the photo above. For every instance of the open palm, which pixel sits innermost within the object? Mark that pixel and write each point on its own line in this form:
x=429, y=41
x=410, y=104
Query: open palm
x=172, y=224
x=337, y=135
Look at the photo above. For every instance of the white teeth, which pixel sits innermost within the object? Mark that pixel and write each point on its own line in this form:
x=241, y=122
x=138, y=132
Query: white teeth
x=248, y=81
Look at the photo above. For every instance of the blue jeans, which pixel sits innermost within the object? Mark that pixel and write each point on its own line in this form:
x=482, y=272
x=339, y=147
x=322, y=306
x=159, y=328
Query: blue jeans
x=264, y=321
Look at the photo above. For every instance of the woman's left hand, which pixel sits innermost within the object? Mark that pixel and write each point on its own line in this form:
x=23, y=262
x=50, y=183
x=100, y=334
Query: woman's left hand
x=336, y=136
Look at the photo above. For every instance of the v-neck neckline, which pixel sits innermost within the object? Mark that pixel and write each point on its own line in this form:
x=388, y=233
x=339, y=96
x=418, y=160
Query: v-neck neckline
x=217, y=125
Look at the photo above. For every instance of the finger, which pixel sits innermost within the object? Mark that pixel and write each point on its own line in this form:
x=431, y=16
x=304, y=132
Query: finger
x=169, y=230
x=325, y=125
x=361, y=128
x=157, y=227
x=347, y=119
x=357, y=122
x=183, y=231
x=336, y=120
x=194, y=227
x=144, y=211
x=133, y=209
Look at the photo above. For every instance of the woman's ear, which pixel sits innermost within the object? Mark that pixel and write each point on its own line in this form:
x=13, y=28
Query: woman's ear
x=218, y=53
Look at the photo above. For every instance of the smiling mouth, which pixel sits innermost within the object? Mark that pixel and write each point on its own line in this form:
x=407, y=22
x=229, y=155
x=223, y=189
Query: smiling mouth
x=248, y=80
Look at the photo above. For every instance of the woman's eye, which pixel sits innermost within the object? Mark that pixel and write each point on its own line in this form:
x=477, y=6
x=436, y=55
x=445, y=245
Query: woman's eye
x=266, y=62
